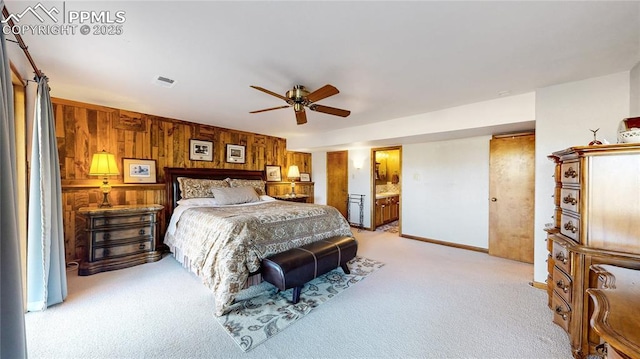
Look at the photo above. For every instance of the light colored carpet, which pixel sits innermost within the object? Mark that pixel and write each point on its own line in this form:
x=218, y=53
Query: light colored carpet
x=429, y=301
x=263, y=312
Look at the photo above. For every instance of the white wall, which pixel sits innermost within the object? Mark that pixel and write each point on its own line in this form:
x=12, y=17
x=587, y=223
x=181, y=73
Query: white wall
x=445, y=189
x=635, y=91
x=319, y=176
x=360, y=183
x=564, y=115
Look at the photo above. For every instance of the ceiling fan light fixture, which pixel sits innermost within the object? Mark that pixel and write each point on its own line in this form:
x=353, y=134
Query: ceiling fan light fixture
x=299, y=98
x=298, y=93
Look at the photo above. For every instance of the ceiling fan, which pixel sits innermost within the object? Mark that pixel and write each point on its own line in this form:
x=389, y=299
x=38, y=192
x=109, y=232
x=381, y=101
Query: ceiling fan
x=299, y=98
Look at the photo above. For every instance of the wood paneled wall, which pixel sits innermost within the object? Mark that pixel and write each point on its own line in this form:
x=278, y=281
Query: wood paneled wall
x=84, y=129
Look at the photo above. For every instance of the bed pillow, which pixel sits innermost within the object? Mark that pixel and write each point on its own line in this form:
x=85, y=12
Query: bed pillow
x=198, y=202
x=258, y=185
x=235, y=195
x=199, y=188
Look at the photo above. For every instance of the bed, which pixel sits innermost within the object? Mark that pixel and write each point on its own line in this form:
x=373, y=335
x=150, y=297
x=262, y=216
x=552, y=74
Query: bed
x=223, y=242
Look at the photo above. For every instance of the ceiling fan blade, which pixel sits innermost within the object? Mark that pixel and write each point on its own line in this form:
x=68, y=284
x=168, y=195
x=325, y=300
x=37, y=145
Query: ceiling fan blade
x=269, y=109
x=330, y=110
x=323, y=92
x=301, y=117
x=270, y=93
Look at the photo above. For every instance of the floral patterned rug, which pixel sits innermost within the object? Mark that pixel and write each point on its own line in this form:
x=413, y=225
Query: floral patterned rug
x=256, y=317
x=389, y=227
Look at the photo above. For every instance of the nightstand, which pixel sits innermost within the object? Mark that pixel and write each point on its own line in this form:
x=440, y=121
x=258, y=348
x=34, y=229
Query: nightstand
x=119, y=237
x=297, y=198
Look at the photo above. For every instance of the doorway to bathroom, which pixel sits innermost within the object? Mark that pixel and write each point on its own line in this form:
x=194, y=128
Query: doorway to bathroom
x=386, y=175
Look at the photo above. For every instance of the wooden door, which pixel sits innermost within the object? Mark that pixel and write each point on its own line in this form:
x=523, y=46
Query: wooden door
x=511, y=197
x=338, y=180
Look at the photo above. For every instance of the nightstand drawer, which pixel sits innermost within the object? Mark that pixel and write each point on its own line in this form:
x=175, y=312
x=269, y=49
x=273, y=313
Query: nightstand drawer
x=122, y=250
x=119, y=237
x=123, y=234
x=101, y=222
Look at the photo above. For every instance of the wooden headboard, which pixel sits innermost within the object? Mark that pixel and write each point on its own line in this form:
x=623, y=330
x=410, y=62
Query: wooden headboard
x=171, y=175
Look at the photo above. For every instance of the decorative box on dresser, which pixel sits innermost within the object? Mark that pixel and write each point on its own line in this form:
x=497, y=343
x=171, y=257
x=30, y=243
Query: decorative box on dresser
x=120, y=236
x=597, y=206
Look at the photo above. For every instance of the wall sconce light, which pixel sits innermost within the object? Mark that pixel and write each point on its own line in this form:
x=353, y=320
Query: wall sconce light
x=358, y=163
x=104, y=164
x=293, y=173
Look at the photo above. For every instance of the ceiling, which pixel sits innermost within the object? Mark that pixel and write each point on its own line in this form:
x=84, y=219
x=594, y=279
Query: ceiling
x=388, y=59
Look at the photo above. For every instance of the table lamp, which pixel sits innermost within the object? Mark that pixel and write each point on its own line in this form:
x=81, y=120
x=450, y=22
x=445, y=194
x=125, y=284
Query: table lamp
x=293, y=174
x=104, y=164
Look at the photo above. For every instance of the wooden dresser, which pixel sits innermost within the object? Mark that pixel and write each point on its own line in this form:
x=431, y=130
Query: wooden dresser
x=118, y=237
x=597, y=207
x=616, y=316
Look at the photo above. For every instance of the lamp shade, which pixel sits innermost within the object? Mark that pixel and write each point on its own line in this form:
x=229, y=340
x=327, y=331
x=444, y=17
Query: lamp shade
x=293, y=172
x=104, y=164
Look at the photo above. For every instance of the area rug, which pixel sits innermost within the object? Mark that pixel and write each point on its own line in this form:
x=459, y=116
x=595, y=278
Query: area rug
x=389, y=227
x=257, y=317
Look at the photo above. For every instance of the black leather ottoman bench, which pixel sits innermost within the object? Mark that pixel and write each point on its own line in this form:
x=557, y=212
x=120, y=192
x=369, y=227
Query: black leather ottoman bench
x=297, y=266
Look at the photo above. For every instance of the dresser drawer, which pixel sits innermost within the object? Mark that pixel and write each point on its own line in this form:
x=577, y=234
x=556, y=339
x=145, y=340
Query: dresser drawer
x=569, y=226
x=570, y=172
x=562, y=284
x=123, y=250
x=101, y=222
x=561, y=257
x=561, y=312
x=122, y=234
x=570, y=199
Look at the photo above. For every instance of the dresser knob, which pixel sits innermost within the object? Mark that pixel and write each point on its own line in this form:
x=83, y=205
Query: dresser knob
x=601, y=350
x=142, y=218
x=107, y=236
x=560, y=256
x=560, y=284
x=569, y=200
x=105, y=252
x=141, y=246
x=570, y=227
x=562, y=313
x=141, y=232
x=106, y=221
x=570, y=173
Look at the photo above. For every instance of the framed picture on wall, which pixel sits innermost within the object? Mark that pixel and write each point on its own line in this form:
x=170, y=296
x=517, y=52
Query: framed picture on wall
x=235, y=153
x=305, y=177
x=273, y=173
x=139, y=171
x=200, y=150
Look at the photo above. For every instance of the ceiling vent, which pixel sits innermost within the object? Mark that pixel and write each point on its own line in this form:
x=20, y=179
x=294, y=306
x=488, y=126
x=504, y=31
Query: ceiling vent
x=163, y=81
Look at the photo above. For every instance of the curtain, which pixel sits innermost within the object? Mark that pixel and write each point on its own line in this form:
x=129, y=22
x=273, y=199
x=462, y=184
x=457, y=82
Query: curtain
x=46, y=271
x=12, y=331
